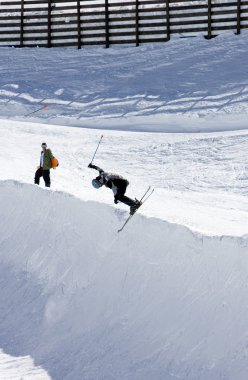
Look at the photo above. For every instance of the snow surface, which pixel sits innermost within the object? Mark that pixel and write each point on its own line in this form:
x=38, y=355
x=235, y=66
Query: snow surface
x=200, y=180
x=172, y=87
x=156, y=302
x=21, y=368
x=167, y=298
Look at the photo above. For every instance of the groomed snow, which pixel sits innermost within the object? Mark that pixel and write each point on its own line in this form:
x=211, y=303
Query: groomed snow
x=156, y=302
x=184, y=85
x=200, y=180
x=166, y=298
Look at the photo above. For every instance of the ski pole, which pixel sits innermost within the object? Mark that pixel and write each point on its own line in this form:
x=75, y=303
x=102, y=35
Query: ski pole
x=41, y=108
x=97, y=149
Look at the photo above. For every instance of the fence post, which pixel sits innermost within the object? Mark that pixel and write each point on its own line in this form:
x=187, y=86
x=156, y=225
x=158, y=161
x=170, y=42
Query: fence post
x=168, y=19
x=238, y=16
x=49, y=10
x=209, y=36
x=22, y=24
x=137, y=22
x=107, y=23
x=79, y=24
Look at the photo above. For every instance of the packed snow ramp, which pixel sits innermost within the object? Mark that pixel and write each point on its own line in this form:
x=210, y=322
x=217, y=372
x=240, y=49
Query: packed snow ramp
x=157, y=301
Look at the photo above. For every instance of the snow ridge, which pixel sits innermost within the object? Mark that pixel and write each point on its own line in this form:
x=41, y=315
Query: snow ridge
x=156, y=301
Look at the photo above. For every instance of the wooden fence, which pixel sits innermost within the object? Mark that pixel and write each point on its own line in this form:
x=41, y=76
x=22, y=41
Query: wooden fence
x=47, y=23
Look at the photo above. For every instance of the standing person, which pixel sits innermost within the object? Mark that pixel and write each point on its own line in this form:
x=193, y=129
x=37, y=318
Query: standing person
x=45, y=165
x=118, y=185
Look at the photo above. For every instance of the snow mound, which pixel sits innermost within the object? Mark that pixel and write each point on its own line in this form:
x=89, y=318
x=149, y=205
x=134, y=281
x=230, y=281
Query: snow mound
x=154, y=302
x=20, y=368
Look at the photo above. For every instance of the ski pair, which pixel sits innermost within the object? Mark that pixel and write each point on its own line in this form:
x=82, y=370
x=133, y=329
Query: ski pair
x=144, y=198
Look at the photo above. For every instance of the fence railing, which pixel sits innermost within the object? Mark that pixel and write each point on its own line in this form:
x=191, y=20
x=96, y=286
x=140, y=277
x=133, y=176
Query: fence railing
x=47, y=23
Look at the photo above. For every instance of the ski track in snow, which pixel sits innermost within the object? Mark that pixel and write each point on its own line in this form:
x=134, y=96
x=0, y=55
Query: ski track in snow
x=181, y=77
x=200, y=180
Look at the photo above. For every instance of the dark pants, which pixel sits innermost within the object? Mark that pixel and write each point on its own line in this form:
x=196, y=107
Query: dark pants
x=42, y=173
x=122, y=198
x=128, y=201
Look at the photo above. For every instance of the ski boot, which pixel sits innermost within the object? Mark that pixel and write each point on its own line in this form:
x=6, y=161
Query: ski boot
x=135, y=207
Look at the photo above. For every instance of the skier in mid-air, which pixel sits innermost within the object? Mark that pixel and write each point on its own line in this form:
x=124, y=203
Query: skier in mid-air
x=118, y=184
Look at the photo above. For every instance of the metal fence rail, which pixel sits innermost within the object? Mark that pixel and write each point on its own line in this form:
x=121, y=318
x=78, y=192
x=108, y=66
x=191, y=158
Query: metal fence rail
x=47, y=23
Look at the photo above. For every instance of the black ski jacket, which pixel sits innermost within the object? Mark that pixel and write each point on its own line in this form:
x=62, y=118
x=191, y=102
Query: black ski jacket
x=117, y=183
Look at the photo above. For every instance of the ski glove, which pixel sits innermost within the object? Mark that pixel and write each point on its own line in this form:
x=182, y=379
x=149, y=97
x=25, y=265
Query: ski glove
x=90, y=166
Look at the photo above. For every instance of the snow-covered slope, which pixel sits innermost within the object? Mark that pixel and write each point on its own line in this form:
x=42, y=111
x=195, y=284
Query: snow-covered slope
x=150, y=88
x=155, y=302
x=200, y=180
x=167, y=298
x=20, y=368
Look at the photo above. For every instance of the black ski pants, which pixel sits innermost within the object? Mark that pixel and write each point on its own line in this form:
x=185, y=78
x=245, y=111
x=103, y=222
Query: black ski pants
x=121, y=197
x=128, y=201
x=46, y=176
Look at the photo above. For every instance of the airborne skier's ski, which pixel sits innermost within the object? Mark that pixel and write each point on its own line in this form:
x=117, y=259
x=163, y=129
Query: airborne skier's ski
x=142, y=200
